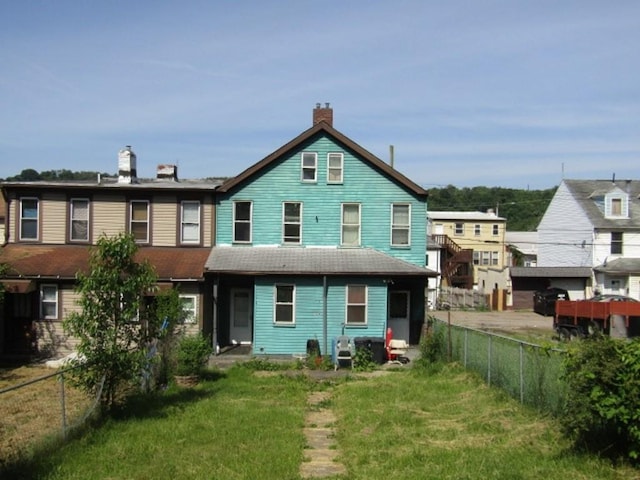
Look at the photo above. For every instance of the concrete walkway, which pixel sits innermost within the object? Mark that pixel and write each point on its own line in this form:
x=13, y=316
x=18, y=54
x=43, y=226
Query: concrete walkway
x=321, y=453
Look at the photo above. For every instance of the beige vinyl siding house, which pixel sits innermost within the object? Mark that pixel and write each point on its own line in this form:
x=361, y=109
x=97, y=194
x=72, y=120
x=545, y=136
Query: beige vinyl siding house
x=51, y=227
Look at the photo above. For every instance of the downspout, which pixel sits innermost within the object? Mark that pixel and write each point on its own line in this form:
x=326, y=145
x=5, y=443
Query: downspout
x=324, y=315
x=214, y=334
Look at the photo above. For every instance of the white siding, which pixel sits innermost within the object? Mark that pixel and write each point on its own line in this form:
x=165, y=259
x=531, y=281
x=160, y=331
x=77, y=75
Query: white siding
x=565, y=234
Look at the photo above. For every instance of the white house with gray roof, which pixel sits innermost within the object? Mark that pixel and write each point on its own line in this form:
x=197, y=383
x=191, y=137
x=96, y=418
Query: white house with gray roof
x=595, y=224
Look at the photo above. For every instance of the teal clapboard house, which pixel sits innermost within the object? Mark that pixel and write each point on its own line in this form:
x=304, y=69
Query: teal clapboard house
x=319, y=239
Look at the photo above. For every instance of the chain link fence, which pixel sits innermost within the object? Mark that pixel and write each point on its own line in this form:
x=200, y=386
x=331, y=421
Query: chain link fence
x=526, y=371
x=36, y=404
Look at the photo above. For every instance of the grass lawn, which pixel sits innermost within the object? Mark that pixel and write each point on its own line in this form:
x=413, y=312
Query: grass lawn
x=405, y=425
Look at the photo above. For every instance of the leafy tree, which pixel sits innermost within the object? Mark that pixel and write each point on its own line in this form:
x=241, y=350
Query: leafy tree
x=112, y=328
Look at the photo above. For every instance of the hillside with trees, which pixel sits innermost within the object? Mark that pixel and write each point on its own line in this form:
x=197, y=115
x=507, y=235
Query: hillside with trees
x=31, y=175
x=523, y=209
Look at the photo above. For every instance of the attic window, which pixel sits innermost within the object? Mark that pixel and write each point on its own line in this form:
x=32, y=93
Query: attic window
x=617, y=205
x=309, y=167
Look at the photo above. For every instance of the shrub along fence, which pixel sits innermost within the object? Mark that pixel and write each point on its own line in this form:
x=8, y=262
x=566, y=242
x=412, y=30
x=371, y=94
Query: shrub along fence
x=526, y=371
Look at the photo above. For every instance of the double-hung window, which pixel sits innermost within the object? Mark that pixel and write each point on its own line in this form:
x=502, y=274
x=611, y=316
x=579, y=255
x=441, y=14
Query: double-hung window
x=49, y=302
x=79, y=220
x=356, y=305
x=29, y=208
x=350, y=224
x=190, y=222
x=242, y=212
x=139, y=220
x=616, y=243
x=285, y=304
x=335, y=162
x=477, y=229
x=495, y=230
x=189, y=308
x=459, y=228
x=292, y=222
x=309, y=167
x=400, y=224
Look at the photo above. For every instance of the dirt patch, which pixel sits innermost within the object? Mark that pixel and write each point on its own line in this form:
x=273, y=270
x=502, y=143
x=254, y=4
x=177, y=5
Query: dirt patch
x=33, y=412
x=506, y=321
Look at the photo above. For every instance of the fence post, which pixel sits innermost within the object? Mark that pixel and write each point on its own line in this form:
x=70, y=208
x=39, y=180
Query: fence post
x=489, y=363
x=521, y=373
x=63, y=407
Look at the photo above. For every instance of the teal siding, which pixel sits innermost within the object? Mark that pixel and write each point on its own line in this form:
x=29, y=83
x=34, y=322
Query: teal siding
x=363, y=184
x=286, y=339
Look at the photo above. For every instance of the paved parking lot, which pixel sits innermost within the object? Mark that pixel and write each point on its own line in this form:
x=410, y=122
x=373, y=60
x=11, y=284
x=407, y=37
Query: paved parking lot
x=506, y=321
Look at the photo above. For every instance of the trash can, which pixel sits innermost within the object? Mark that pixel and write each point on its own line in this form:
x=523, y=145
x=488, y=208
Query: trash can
x=378, y=353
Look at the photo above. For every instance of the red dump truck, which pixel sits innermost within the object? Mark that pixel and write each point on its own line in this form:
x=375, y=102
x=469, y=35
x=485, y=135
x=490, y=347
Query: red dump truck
x=576, y=318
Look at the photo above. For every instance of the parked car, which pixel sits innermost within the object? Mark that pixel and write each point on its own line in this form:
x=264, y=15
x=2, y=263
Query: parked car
x=544, y=301
x=611, y=298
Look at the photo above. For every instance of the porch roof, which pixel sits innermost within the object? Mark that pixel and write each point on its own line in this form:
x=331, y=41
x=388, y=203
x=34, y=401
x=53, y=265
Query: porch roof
x=551, y=272
x=623, y=266
x=309, y=261
x=64, y=261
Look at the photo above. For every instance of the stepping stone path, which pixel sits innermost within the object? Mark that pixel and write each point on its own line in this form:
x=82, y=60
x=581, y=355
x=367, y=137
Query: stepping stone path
x=321, y=453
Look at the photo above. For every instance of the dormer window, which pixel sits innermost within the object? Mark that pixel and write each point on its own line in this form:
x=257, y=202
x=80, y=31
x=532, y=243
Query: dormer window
x=616, y=205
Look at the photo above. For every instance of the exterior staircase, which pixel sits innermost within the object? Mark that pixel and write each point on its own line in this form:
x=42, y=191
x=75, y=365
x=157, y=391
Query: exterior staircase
x=456, y=263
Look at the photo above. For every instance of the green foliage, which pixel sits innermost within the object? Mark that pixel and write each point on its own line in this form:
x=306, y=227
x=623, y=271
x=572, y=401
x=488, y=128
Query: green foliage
x=192, y=354
x=112, y=327
x=523, y=209
x=431, y=347
x=31, y=175
x=603, y=403
x=363, y=360
x=168, y=312
x=257, y=364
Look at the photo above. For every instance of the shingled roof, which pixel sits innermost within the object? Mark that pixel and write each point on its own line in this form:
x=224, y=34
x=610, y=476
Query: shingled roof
x=64, y=261
x=309, y=261
x=587, y=192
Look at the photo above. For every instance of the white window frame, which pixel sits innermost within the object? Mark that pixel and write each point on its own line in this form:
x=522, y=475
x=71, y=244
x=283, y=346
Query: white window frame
x=72, y=220
x=358, y=305
x=308, y=167
x=617, y=242
x=289, y=304
x=330, y=168
x=477, y=229
x=495, y=257
x=44, y=301
x=290, y=240
x=620, y=199
x=344, y=225
x=476, y=257
x=133, y=222
x=187, y=223
x=495, y=230
x=458, y=231
x=191, y=312
x=35, y=219
x=236, y=222
x=395, y=227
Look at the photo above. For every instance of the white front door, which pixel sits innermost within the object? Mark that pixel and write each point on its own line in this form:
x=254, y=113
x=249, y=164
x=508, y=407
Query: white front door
x=241, y=316
x=399, y=313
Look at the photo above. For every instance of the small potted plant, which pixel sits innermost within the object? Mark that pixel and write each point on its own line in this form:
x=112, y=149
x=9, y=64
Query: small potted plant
x=191, y=356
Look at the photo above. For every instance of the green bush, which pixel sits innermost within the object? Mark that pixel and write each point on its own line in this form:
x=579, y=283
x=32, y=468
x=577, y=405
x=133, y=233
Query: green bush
x=192, y=354
x=602, y=410
x=431, y=346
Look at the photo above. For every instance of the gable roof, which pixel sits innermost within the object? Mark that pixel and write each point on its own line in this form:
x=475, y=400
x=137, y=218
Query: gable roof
x=585, y=193
x=318, y=129
x=309, y=261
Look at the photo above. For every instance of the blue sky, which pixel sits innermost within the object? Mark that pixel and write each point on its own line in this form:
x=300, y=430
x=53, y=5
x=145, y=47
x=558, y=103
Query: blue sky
x=469, y=93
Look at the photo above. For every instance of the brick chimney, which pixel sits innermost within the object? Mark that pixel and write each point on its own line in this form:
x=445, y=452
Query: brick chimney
x=127, y=166
x=167, y=172
x=323, y=114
